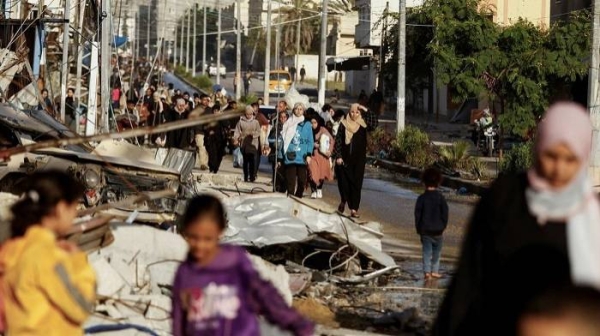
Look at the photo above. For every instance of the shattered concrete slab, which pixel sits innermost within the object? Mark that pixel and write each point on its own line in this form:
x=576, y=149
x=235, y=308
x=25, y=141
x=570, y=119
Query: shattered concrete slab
x=140, y=265
x=109, y=281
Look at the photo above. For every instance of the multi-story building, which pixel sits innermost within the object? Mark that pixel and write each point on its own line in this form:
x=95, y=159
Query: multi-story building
x=370, y=12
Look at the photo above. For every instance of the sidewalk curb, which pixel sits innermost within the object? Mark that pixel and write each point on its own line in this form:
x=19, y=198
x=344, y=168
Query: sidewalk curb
x=472, y=187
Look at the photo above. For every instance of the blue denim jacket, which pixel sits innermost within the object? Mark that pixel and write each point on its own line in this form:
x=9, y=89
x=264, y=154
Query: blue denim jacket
x=303, y=144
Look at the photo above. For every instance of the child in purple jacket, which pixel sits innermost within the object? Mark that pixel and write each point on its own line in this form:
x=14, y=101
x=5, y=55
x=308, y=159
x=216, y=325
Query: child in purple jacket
x=217, y=291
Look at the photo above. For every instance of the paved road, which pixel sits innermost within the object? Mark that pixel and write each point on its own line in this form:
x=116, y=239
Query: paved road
x=388, y=199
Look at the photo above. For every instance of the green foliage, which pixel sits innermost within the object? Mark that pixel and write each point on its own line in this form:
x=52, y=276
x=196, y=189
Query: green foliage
x=180, y=71
x=249, y=99
x=518, y=159
x=378, y=140
x=455, y=156
x=477, y=167
x=203, y=82
x=418, y=56
x=520, y=67
x=413, y=147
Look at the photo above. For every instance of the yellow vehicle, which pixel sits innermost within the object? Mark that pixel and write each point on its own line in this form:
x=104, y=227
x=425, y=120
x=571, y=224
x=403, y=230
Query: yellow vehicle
x=280, y=81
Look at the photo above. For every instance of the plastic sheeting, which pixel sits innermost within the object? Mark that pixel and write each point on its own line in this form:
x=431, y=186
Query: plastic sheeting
x=262, y=220
x=293, y=96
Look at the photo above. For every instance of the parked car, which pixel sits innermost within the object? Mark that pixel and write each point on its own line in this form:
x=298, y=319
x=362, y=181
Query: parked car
x=280, y=82
x=212, y=71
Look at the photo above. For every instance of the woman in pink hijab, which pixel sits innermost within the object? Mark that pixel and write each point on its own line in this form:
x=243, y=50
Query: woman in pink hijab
x=530, y=233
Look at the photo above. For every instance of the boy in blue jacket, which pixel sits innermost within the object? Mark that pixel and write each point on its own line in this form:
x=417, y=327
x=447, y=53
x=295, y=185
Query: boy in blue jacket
x=431, y=219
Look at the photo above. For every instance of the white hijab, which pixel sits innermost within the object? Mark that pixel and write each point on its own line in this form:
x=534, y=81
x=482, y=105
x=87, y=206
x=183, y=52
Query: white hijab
x=289, y=128
x=576, y=204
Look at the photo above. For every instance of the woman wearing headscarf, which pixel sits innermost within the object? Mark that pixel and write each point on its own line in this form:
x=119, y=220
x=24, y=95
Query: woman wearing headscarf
x=157, y=118
x=247, y=133
x=320, y=166
x=350, y=156
x=530, y=233
x=297, y=149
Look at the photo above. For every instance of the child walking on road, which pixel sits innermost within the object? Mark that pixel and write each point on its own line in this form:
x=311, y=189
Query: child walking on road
x=431, y=219
x=217, y=291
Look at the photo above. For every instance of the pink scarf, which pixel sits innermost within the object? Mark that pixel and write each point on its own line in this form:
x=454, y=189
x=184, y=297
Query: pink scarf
x=576, y=204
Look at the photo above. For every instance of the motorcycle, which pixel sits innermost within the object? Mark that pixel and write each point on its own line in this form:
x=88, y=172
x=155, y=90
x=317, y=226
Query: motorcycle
x=487, y=138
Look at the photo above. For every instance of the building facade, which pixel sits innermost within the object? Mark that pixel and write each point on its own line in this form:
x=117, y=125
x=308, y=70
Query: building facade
x=370, y=12
x=507, y=12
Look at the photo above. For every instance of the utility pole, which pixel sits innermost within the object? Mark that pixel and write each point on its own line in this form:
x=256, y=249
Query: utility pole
x=187, y=49
x=297, y=60
x=322, y=55
x=278, y=40
x=593, y=97
x=181, y=41
x=238, y=51
x=175, y=47
x=268, y=56
x=381, y=47
x=137, y=35
x=148, y=35
x=92, y=114
x=105, y=68
x=195, y=40
x=80, y=56
x=219, y=47
x=204, y=40
x=400, y=109
x=65, y=61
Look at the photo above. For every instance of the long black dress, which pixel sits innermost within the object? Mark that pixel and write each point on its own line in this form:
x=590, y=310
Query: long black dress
x=351, y=174
x=507, y=260
x=215, y=141
x=181, y=138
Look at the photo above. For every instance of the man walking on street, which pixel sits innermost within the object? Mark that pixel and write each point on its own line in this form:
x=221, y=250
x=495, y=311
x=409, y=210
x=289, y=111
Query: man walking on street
x=302, y=74
x=247, y=82
x=182, y=138
x=202, y=154
x=293, y=73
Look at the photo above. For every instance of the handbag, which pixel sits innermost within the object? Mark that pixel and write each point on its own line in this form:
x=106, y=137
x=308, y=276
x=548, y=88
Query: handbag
x=291, y=156
x=248, y=146
x=324, y=144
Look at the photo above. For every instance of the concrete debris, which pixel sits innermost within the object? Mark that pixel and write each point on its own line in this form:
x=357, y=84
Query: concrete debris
x=316, y=311
x=138, y=269
x=6, y=201
x=9, y=66
x=110, y=283
x=277, y=275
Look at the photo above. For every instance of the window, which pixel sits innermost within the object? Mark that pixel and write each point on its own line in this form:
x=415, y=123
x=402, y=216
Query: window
x=279, y=76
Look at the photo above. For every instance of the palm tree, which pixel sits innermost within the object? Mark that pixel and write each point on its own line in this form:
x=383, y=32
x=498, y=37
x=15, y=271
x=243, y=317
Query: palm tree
x=340, y=7
x=290, y=14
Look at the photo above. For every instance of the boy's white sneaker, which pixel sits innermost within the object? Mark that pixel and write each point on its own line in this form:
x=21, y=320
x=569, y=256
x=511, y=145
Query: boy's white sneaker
x=319, y=193
x=313, y=195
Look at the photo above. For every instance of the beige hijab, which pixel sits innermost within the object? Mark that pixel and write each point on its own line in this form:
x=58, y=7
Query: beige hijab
x=352, y=126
